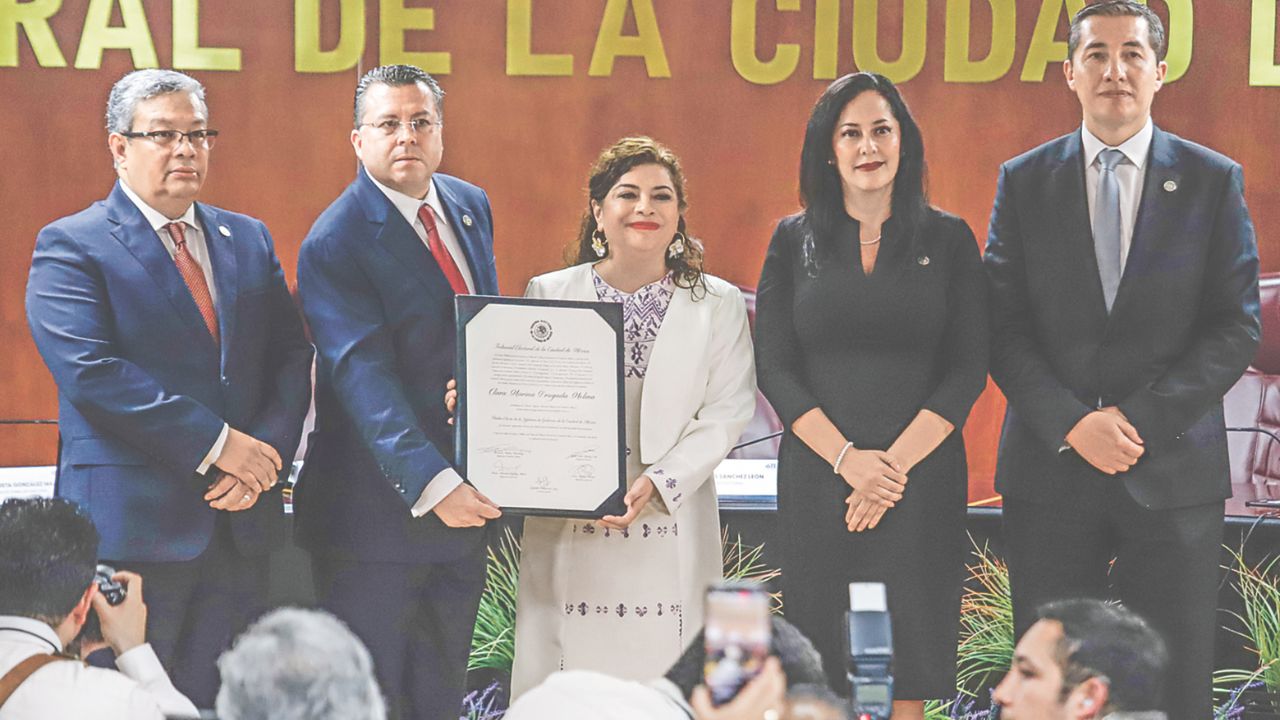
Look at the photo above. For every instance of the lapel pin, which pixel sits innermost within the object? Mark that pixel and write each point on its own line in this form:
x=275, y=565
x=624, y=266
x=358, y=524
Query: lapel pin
x=466, y=220
x=1170, y=186
x=224, y=230
x=923, y=260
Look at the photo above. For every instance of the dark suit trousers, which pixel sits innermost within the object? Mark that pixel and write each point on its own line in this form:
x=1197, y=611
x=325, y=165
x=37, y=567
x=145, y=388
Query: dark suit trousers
x=196, y=608
x=416, y=619
x=1167, y=569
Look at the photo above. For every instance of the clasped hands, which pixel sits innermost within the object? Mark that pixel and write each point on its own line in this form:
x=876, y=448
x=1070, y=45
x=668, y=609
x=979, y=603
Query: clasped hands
x=878, y=479
x=1106, y=440
x=246, y=468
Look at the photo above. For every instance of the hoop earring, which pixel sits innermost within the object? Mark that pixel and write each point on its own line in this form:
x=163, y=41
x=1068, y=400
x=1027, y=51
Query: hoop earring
x=676, y=248
x=599, y=243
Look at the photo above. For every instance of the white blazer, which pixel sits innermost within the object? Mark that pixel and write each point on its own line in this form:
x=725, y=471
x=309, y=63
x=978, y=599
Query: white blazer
x=700, y=387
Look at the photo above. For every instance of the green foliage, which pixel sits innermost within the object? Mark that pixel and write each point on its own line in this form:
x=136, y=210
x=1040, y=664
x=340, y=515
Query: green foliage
x=493, y=643
x=986, y=637
x=1259, y=588
x=986, y=624
x=938, y=709
x=742, y=563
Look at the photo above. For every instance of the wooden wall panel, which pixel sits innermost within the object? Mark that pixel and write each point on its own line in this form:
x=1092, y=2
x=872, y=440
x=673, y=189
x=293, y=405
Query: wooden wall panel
x=284, y=153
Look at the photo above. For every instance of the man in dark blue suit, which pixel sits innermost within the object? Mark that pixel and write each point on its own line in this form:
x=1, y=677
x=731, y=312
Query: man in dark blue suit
x=183, y=376
x=1124, y=273
x=396, y=534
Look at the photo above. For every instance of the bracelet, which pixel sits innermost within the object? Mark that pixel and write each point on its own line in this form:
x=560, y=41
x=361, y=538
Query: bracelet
x=835, y=466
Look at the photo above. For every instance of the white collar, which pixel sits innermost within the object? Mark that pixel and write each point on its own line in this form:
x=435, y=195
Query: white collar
x=28, y=630
x=408, y=205
x=154, y=216
x=1135, y=148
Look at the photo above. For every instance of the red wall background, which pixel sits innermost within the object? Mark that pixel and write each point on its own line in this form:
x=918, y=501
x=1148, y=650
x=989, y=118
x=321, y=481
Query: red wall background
x=284, y=152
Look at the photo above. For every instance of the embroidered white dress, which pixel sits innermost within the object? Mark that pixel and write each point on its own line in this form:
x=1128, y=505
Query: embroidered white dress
x=624, y=603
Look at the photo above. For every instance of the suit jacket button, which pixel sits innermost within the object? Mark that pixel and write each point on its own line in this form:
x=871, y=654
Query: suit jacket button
x=225, y=381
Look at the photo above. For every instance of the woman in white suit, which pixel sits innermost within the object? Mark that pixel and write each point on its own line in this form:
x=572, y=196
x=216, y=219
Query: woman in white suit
x=624, y=595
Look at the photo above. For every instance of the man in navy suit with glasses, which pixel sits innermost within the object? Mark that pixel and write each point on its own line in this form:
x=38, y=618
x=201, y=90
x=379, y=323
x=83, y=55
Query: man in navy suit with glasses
x=183, y=375
x=396, y=535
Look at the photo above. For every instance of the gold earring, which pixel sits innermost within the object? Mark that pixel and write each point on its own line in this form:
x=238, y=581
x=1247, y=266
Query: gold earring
x=599, y=243
x=676, y=248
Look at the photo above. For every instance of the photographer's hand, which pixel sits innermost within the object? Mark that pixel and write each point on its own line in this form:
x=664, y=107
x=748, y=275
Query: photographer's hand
x=763, y=697
x=124, y=626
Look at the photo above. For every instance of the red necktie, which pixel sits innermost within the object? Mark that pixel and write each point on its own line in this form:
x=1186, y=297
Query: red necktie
x=441, y=254
x=193, y=276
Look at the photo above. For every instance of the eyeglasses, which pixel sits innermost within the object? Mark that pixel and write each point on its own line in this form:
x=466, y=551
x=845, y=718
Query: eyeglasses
x=167, y=138
x=391, y=126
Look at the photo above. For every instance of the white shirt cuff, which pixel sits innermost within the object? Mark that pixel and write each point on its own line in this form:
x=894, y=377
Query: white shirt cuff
x=140, y=664
x=215, y=452
x=445, y=482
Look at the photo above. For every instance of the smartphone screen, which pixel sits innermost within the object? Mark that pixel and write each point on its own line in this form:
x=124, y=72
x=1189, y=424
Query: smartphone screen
x=738, y=637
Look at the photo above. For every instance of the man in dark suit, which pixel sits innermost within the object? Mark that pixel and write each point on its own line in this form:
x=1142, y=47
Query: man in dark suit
x=395, y=533
x=183, y=376
x=1124, y=274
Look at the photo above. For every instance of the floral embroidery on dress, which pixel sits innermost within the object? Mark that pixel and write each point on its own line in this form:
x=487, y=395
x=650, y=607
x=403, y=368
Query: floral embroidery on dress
x=642, y=314
x=621, y=610
x=625, y=533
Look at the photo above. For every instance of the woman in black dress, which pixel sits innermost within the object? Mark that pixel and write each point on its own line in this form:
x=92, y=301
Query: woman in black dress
x=871, y=344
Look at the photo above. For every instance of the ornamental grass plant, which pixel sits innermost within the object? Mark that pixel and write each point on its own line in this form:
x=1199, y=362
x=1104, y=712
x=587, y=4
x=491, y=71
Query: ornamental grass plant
x=986, y=637
x=1246, y=692
x=493, y=643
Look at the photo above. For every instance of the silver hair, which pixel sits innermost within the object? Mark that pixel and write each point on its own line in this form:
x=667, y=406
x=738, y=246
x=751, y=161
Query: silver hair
x=295, y=664
x=141, y=85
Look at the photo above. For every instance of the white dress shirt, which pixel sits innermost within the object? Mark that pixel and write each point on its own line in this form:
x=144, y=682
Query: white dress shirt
x=70, y=689
x=199, y=250
x=1129, y=175
x=447, y=480
x=408, y=206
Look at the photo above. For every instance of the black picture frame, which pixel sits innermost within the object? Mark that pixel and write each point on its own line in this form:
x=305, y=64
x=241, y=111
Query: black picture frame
x=466, y=308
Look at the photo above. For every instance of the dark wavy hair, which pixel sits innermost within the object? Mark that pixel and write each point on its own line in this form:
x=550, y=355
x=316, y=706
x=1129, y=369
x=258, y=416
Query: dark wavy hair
x=48, y=550
x=821, y=192
x=617, y=160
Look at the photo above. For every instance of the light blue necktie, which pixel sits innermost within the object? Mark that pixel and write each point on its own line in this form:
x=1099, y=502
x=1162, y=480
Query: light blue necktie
x=1106, y=224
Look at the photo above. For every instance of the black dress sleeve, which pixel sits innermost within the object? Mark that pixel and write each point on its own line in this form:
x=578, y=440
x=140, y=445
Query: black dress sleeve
x=779, y=359
x=966, y=341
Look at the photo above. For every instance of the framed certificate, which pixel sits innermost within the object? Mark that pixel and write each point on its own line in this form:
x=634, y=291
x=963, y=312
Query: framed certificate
x=540, y=416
